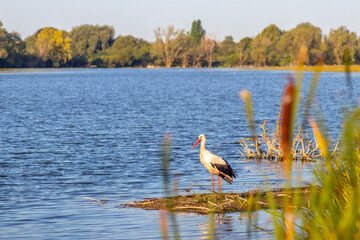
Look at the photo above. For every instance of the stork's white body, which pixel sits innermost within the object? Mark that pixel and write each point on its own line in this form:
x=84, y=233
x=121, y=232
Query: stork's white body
x=215, y=164
x=209, y=160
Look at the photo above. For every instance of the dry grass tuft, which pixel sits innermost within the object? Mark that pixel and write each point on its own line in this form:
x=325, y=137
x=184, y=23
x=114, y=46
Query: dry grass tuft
x=302, y=147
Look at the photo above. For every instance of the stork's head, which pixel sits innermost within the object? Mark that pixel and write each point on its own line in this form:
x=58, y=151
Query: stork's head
x=201, y=137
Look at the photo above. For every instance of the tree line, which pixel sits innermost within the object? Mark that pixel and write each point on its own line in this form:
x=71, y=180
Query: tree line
x=93, y=45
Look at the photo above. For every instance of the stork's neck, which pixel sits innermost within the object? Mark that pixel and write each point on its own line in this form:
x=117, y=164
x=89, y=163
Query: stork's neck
x=202, y=146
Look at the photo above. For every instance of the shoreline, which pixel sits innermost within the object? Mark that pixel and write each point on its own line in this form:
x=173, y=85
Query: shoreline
x=325, y=68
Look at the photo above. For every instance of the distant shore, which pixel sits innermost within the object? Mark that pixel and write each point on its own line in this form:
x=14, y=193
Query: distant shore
x=325, y=68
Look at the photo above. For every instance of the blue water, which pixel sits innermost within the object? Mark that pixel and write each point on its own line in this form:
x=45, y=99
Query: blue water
x=68, y=134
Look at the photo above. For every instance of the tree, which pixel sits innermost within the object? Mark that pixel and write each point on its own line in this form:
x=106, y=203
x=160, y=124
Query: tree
x=197, y=31
x=87, y=40
x=244, y=51
x=53, y=46
x=185, y=53
x=169, y=43
x=304, y=35
x=271, y=32
x=227, y=52
x=357, y=51
x=31, y=51
x=263, y=47
x=129, y=51
x=3, y=42
x=228, y=46
x=195, y=51
x=259, y=50
x=208, y=44
x=11, y=49
x=339, y=40
x=30, y=43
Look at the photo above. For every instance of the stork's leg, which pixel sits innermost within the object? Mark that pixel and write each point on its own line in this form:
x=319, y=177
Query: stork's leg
x=212, y=181
x=218, y=184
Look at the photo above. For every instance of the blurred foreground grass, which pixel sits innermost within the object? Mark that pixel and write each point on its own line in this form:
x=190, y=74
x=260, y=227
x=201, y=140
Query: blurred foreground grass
x=333, y=211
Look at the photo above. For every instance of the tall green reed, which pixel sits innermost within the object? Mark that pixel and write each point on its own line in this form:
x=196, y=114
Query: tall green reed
x=333, y=211
x=333, y=208
x=166, y=158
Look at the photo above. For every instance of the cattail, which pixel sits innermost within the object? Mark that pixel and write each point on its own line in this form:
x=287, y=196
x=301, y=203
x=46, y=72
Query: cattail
x=285, y=130
x=319, y=137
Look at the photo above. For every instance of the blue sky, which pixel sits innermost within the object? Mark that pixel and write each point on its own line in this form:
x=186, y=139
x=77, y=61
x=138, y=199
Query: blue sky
x=139, y=18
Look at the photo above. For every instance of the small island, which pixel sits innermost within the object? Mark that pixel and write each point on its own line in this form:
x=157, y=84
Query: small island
x=224, y=202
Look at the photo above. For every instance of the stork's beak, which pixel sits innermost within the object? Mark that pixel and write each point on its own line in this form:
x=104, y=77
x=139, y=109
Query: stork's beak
x=196, y=142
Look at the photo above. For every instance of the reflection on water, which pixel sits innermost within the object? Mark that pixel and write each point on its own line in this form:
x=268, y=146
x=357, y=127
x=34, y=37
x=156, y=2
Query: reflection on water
x=220, y=224
x=229, y=225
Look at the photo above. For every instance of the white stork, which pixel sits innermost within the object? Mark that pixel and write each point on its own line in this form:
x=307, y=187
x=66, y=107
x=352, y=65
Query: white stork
x=215, y=164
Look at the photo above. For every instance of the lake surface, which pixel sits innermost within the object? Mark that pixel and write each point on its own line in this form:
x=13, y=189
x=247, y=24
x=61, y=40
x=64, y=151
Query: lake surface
x=68, y=134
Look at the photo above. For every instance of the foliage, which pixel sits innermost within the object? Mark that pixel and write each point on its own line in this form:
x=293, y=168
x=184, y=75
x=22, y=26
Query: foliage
x=11, y=49
x=127, y=51
x=227, y=52
x=208, y=44
x=339, y=40
x=263, y=50
x=53, y=46
x=244, y=51
x=197, y=32
x=196, y=45
x=304, y=35
x=87, y=40
x=168, y=45
x=131, y=51
x=87, y=45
